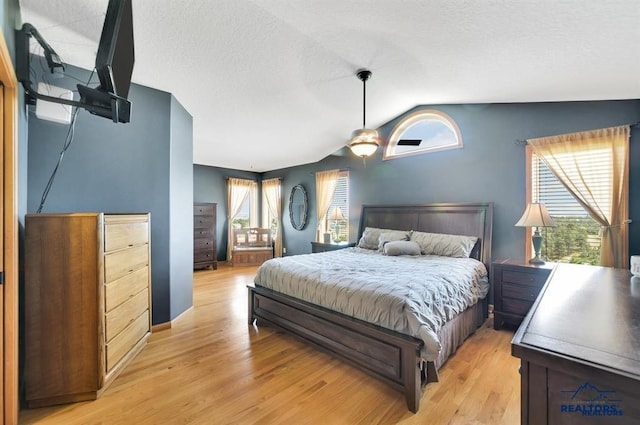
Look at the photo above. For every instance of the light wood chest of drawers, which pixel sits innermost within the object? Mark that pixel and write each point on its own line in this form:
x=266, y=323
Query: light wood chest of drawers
x=87, y=302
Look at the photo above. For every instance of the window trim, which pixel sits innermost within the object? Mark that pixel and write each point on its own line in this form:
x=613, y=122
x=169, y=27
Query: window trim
x=528, y=244
x=414, y=118
x=529, y=193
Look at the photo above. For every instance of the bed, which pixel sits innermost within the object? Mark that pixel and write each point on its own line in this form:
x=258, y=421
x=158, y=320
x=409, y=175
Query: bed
x=405, y=352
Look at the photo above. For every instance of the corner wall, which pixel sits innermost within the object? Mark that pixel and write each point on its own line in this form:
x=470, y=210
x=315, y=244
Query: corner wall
x=181, y=209
x=210, y=185
x=133, y=167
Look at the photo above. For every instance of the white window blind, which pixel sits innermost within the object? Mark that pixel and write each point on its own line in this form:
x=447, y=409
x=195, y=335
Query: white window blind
x=577, y=237
x=341, y=200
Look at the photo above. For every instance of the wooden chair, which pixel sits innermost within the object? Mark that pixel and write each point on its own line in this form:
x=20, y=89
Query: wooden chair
x=251, y=246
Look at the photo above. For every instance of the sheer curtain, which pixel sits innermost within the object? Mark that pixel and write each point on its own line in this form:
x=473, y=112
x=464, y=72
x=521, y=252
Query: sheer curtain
x=325, y=186
x=272, y=191
x=577, y=160
x=237, y=191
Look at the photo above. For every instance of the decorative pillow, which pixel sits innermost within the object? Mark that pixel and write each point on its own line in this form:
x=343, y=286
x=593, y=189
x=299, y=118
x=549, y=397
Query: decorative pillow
x=401, y=248
x=371, y=235
x=445, y=245
x=392, y=235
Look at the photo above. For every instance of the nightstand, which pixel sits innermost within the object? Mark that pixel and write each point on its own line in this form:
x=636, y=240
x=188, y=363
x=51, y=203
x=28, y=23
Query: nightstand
x=516, y=285
x=322, y=247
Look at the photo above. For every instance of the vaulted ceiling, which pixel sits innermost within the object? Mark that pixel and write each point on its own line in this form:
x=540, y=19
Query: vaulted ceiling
x=271, y=84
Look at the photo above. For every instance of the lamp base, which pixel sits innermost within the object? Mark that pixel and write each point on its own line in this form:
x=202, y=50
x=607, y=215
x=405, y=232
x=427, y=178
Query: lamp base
x=536, y=238
x=536, y=260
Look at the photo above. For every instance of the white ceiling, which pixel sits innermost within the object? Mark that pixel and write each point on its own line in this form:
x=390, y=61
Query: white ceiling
x=271, y=83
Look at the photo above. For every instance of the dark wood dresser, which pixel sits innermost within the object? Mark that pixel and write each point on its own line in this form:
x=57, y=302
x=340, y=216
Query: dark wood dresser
x=580, y=349
x=204, y=235
x=516, y=285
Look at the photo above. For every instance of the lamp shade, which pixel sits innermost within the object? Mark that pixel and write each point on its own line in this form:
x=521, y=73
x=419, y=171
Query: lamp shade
x=536, y=215
x=336, y=214
x=364, y=142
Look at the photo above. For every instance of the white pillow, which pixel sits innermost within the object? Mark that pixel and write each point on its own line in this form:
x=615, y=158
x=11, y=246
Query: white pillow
x=391, y=235
x=401, y=248
x=371, y=237
x=444, y=245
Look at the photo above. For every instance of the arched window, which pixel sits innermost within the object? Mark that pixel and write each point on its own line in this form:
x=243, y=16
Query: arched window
x=423, y=131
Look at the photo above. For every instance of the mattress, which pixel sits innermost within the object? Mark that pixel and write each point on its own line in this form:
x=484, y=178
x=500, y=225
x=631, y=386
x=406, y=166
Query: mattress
x=413, y=295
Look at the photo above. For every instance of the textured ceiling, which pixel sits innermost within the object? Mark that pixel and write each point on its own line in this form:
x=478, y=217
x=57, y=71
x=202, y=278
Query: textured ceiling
x=271, y=84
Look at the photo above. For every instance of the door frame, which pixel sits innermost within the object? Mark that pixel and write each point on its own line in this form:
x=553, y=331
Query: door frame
x=10, y=222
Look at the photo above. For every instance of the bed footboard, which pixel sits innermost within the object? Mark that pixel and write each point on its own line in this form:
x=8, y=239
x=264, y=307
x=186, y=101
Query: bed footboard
x=389, y=356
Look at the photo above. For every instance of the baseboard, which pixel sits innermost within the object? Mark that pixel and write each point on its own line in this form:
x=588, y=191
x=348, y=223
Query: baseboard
x=160, y=327
x=167, y=325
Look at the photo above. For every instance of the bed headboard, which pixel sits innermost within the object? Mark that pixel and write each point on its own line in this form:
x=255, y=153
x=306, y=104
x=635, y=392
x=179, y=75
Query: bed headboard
x=455, y=219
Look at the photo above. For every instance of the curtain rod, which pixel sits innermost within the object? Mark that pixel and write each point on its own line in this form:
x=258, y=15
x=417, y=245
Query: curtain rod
x=313, y=173
x=251, y=180
x=240, y=178
x=524, y=142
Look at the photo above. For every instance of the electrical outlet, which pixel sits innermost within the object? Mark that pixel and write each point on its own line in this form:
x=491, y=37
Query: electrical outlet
x=284, y=250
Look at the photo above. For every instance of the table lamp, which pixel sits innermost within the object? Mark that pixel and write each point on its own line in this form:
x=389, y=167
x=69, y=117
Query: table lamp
x=336, y=216
x=536, y=215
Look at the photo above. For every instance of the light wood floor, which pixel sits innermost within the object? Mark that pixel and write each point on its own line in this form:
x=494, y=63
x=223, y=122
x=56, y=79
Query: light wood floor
x=213, y=368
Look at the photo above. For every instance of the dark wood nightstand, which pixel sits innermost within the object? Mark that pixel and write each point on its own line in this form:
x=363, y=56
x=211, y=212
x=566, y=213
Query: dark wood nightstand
x=322, y=247
x=516, y=285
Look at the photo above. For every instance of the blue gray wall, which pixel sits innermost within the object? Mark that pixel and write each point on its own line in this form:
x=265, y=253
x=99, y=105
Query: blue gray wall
x=141, y=166
x=181, y=209
x=490, y=167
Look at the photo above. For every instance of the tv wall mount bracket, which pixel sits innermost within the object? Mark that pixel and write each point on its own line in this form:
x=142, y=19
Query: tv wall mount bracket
x=96, y=101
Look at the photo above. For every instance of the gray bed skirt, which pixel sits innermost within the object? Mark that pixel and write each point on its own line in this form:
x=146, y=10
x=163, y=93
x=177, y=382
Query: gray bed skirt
x=456, y=331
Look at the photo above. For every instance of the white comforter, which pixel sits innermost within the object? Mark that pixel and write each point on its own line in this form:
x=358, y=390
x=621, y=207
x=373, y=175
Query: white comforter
x=412, y=295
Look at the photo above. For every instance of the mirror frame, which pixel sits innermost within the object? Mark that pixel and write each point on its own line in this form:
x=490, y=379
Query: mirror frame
x=305, y=204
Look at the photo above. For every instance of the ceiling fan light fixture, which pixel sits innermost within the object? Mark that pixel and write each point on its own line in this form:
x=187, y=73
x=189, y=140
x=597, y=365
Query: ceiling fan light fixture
x=364, y=142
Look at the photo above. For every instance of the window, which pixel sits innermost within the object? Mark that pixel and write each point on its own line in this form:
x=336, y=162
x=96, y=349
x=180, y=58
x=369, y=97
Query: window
x=247, y=215
x=242, y=207
x=576, y=239
x=594, y=167
x=338, y=220
x=423, y=132
x=242, y=219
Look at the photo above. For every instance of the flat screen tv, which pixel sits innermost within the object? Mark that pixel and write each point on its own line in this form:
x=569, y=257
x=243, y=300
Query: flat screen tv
x=114, y=65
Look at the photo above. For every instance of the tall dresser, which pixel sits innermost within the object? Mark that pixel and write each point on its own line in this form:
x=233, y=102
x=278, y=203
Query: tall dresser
x=87, y=302
x=204, y=235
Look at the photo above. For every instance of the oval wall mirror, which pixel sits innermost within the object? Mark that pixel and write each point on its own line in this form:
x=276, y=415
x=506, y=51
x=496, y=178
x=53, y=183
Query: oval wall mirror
x=298, y=207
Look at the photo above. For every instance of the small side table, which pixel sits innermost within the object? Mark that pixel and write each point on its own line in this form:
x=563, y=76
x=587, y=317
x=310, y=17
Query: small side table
x=516, y=285
x=323, y=247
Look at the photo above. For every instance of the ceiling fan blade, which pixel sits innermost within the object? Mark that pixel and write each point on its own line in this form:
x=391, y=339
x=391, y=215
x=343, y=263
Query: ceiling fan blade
x=409, y=142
